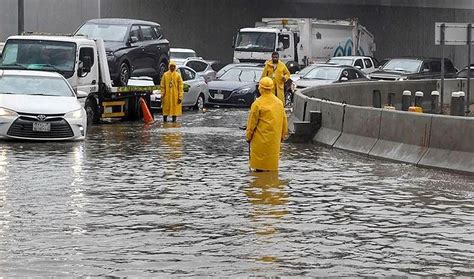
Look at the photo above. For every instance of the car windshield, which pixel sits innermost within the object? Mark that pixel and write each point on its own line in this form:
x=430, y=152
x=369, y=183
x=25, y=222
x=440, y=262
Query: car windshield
x=106, y=32
x=305, y=70
x=341, y=61
x=324, y=73
x=40, y=55
x=182, y=55
x=403, y=65
x=255, y=41
x=242, y=74
x=33, y=85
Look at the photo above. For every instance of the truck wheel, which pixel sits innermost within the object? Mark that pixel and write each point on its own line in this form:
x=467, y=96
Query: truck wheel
x=124, y=75
x=199, y=103
x=92, y=112
x=133, y=113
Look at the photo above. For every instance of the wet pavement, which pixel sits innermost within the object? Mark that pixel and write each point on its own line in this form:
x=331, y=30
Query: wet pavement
x=178, y=200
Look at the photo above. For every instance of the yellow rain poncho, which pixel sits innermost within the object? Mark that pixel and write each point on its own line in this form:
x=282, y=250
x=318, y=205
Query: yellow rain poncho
x=172, y=93
x=267, y=126
x=279, y=77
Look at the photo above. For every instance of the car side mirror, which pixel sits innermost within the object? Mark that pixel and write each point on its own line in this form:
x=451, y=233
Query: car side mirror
x=133, y=39
x=425, y=70
x=344, y=79
x=81, y=94
x=358, y=67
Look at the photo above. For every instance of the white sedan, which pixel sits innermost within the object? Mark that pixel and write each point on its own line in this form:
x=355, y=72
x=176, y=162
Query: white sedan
x=37, y=105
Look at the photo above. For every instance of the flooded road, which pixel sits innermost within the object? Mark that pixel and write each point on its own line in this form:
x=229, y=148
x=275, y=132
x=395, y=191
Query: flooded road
x=178, y=200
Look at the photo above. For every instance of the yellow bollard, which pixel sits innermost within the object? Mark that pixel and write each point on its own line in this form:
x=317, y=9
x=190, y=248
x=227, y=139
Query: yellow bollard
x=415, y=109
x=389, y=107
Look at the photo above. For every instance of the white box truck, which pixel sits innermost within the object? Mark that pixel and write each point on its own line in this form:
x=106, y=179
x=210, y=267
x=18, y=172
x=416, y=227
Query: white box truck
x=302, y=41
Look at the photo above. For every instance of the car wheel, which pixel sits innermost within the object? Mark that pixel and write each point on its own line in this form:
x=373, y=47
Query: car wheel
x=199, y=103
x=91, y=112
x=161, y=71
x=124, y=74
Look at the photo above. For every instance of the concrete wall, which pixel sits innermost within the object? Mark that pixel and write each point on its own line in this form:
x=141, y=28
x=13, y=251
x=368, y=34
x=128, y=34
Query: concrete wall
x=208, y=25
x=428, y=140
x=55, y=16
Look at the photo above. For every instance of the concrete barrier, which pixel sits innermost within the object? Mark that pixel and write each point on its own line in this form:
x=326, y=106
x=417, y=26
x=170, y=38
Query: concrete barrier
x=404, y=136
x=451, y=144
x=360, y=130
x=332, y=116
x=298, y=105
x=312, y=105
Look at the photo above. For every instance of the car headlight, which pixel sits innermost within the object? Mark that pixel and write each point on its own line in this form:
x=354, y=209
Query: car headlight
x=75, y=114
x=236, y=60
x=293, y=87
x=244, y=90
x=7, y=112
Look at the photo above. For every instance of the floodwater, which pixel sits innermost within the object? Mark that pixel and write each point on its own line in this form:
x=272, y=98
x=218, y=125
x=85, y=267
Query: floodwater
x=178, y=200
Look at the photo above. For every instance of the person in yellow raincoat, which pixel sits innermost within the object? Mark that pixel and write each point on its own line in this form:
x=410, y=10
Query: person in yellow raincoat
x=278, y=72
x=171, y=93
x=267, y=126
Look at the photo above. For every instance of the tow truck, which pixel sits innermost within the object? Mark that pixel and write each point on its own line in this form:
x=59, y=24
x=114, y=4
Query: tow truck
x=83, y=62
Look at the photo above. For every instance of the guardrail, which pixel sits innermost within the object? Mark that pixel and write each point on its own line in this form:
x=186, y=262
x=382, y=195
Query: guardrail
x=349, y=122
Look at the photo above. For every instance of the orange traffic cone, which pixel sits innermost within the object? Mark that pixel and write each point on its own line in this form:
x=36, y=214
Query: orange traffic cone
x=147, y=117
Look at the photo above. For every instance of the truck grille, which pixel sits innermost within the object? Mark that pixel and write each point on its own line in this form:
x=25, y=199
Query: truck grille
x=23, y=127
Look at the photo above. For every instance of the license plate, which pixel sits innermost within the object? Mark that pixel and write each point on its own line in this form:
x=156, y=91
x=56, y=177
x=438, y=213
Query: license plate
x=41, y=127
x=219, y=96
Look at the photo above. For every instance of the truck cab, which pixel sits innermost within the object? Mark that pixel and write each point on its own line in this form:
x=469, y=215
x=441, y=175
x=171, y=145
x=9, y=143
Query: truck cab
x=74, y=57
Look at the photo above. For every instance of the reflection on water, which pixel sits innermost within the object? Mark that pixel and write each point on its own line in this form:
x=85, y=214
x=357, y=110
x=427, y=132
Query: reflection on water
x=177, y=199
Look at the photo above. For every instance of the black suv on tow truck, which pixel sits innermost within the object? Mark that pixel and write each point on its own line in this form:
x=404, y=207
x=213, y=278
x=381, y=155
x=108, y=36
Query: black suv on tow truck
x=133, y=47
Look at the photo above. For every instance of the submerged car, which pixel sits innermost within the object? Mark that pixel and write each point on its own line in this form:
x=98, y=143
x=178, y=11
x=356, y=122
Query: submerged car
x=133, y=47
x=36, y=105
x=236, y=87
x=196, y=91
x=329, y=73
x=414, y=68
